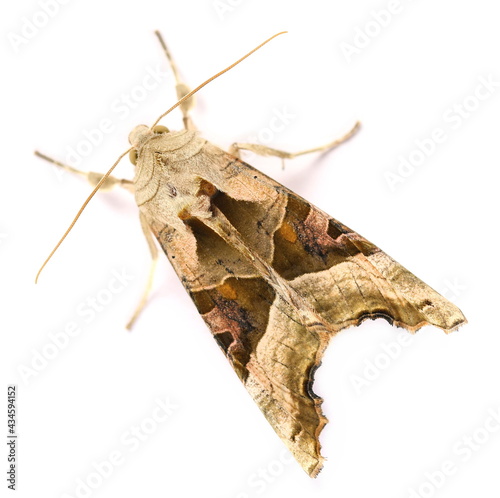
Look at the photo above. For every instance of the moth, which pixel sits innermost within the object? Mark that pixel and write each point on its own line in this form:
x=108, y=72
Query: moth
x=274, y=277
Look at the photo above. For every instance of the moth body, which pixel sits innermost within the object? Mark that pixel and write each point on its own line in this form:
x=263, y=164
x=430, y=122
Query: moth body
x=274, y=277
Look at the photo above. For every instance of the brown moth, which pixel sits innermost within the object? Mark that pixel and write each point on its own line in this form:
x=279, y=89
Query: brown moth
x=274, y=277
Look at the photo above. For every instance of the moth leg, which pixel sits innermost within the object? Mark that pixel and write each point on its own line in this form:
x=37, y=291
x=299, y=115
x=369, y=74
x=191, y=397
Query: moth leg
x=263, y=150
x=181, y=88
x=154, y=260
x=91, y=176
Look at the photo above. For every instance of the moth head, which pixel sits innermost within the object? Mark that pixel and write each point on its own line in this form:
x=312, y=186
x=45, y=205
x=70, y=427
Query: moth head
x=139, y=135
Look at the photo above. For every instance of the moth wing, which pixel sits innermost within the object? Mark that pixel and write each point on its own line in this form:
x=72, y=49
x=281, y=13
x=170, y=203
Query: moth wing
x=339, y=275
x=347, y=279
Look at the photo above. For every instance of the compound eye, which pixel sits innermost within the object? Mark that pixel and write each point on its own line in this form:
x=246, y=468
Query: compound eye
x=132, y=155
x=160, y=129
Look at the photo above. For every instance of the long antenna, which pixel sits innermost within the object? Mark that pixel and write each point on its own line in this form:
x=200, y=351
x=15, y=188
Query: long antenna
x=179, y=102
x=84, y=205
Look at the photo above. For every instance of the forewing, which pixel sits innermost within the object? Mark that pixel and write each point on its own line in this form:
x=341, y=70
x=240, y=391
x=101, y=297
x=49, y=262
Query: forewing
x=340, y=278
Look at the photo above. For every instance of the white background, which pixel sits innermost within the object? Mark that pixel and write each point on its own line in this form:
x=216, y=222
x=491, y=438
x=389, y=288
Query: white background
x=395, y=421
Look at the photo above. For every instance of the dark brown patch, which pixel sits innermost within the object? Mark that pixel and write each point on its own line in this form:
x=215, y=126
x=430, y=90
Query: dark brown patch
x=248, y=218
x=373, y=315
x=309, y=382
x=319, y=242
x=224, y=340
x=335, y=229
x=237, y=325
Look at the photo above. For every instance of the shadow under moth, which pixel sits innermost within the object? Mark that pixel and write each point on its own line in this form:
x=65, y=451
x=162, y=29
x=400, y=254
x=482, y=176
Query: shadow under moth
x=274, y=277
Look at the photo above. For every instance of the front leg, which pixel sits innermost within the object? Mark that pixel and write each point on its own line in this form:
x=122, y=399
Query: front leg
x=91, y=176
x=263, y=150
